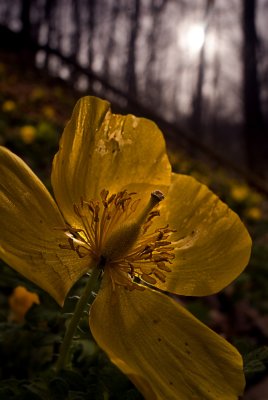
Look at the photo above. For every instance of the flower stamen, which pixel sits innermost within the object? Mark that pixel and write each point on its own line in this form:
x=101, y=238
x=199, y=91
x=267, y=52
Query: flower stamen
x=110, y=230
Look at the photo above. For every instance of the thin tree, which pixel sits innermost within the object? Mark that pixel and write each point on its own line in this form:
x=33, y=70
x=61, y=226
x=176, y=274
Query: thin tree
x=92, y=11
x=76, y=35
x=197, y=102
x=131, y=78
x=26, y=22
x=111, y=42
x=49, y=13
x=254, y=129
x=153, y=85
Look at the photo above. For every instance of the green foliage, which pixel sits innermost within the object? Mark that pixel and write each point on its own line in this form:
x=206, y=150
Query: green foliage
x=256, y=361
x=34, y=345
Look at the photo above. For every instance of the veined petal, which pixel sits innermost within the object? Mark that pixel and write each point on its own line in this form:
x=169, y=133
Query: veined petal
x=212, y=246
x=100, y=150
x=32, y=230
x=165, y=351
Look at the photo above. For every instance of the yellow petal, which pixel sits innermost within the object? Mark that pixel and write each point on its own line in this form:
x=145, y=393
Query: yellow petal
x=165, y=351
x=212, y=244
x=100, y=150
x=29, y=234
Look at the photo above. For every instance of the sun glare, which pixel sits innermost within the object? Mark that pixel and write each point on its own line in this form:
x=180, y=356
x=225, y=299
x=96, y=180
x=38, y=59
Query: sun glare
x=194, y=38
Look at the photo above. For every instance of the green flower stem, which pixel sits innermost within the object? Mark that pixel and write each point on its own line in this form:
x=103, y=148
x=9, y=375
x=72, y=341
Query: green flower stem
x=87, y=296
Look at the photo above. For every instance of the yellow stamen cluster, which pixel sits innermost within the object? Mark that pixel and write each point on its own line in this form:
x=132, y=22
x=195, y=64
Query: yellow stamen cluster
x=109, y=232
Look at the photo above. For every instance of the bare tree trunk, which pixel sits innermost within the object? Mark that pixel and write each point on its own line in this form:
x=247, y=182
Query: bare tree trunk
x=111, y=43
x=153, y=86
x=50, y=7
x=75, y=39
x=131, y=78
x=28, y=47
x=197, y=103
x=254, y=130
x=26, y=23
x=91, y=6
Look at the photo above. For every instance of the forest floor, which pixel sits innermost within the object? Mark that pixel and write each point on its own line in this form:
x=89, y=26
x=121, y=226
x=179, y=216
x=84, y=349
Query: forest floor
x=33, y=111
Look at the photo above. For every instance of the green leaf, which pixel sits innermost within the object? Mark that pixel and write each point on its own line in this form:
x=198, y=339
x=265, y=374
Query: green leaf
x=255, y=361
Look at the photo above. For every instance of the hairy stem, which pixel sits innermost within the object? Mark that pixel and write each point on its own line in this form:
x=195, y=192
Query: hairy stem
x=87, y=296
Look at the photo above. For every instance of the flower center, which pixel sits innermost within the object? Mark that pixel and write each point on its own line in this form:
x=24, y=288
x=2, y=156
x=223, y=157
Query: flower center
x=110, y=232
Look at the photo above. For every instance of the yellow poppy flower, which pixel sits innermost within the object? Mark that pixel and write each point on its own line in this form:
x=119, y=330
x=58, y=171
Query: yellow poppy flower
x=20, y=301
x=28, y=133
x=240, y=192
x=8, y=106
x=254, y=213
x=110, y=177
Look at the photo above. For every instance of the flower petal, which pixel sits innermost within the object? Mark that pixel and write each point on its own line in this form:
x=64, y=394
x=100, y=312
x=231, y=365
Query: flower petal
x=165, y=351
x=212, y=244
x=29, y=234
x=100, y=150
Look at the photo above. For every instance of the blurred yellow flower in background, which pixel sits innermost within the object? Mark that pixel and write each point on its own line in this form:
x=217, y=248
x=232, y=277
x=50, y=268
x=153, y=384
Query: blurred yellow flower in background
x=48, y=112
x=20, y=301
x=38, y=93
x=240, y=192
x=122, y=214
x=254, y=213
x=28, y=133
x=8, y=106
